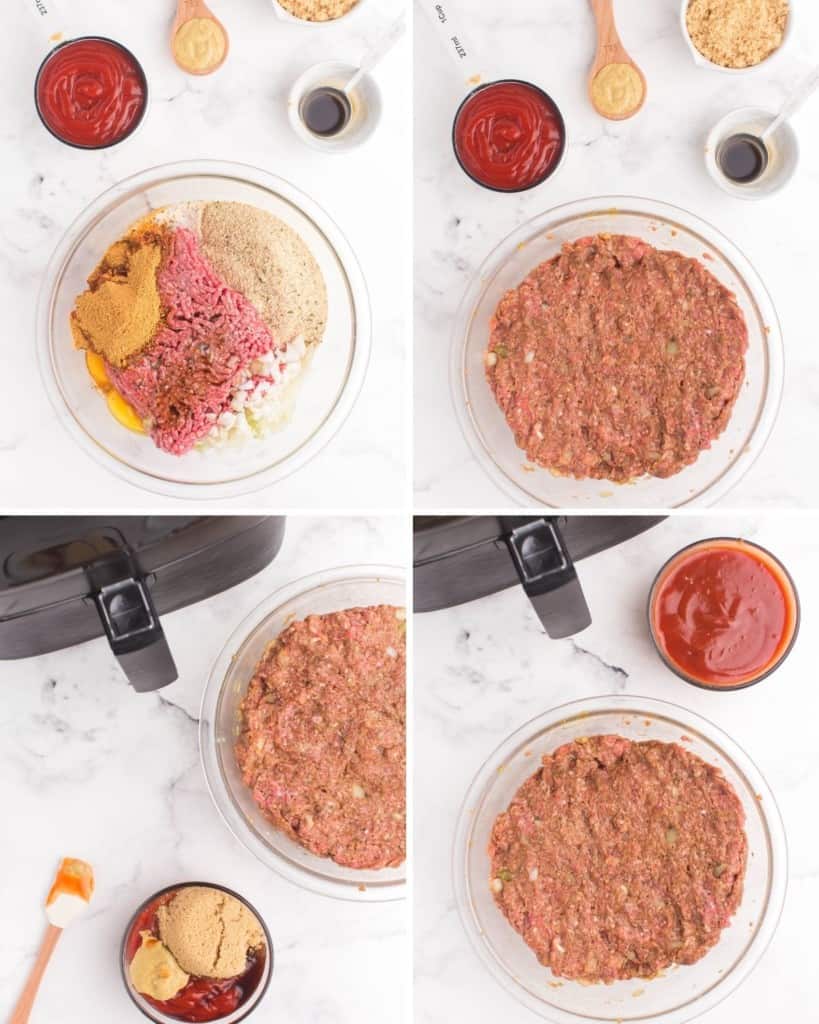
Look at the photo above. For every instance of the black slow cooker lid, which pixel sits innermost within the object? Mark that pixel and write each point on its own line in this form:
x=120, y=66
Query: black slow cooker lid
x=45, y=559
x=68, y=579
x=463, y=558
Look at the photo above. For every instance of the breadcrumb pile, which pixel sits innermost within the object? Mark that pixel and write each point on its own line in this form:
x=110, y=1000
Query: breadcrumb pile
x=318, y=10
x=737, y=33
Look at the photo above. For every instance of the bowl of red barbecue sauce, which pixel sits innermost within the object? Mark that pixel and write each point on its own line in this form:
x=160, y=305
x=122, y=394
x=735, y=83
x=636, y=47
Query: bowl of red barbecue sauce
x=91, y=93
x=723, y=613
x=509, y=136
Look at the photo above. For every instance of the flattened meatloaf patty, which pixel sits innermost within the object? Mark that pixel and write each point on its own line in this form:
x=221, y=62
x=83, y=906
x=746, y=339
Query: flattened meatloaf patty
x=615, y=360
x=322, y=744
x=617, y=859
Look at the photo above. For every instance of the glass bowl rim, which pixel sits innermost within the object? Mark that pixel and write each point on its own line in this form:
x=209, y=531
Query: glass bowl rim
x=260, y=989
x=230, y=813
x=591, y=206
x=639, y=706
x=244, y=174
x=715, y=542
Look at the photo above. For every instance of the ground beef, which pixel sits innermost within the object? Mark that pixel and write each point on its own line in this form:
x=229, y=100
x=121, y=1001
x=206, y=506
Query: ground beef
x=186, y=377
x=617, y=859
x=322, y=745
x=616, y=359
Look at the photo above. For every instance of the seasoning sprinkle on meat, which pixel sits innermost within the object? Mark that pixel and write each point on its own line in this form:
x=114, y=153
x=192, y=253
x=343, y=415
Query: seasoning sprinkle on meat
x=617, y=859
x=322, y=745
x=615, y=359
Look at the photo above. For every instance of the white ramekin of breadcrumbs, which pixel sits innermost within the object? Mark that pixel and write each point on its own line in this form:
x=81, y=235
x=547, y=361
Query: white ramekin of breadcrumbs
x=735, y=35
x=316, y=12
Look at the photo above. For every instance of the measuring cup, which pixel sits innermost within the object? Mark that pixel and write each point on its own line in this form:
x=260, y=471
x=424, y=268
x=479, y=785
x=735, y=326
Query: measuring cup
x=57, y=32
x=499, y=121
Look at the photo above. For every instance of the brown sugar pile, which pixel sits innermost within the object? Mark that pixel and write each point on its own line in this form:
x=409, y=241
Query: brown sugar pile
x=318, y=10
x=737, y=33
x=267, y=261
x=119, y=313
x=209, y=932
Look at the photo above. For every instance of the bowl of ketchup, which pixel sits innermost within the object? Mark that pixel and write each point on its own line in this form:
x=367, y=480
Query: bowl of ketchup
x=509, y=136
x=91, y=93
x=723, y=613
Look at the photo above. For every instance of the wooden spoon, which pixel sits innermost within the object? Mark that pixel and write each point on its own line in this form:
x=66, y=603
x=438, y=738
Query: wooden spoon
x=610, y=50
x=185, y=11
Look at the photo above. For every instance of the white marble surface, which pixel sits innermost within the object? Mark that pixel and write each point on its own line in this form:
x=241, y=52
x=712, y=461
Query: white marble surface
x=656, y=154
x=92, y=769
x=486, y=668
x=236, y=114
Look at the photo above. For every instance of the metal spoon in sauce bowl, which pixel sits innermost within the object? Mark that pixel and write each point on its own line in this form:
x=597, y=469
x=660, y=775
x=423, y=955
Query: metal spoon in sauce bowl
x=617, y=87
x=194, y=47
x=327, y=109
x=743, y=157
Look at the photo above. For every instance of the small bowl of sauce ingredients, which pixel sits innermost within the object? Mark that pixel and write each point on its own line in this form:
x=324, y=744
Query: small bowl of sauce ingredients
x=723, y=613
x=196, y=952
x=327, y=117
x=509, y=136
x=91, y=93
x=741, y=163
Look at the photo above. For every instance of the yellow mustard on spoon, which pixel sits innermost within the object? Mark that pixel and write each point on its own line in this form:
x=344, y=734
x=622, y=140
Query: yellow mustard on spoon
x=199, y=41
x=617, y=87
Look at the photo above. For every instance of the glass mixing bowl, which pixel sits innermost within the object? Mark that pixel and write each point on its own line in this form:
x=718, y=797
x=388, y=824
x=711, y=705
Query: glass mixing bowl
x=680, y=993
x=329, y=591
x=664, y=227
x=330, y=384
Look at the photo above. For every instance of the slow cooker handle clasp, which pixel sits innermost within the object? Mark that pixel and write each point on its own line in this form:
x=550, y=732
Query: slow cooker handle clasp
x=132, y=625
x=549, y=578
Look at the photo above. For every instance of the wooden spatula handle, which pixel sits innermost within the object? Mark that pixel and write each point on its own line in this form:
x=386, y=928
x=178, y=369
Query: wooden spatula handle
x=22, y=1010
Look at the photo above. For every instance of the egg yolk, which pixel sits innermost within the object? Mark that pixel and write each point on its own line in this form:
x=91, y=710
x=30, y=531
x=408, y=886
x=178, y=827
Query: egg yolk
x=96, y=367
x=122, y=411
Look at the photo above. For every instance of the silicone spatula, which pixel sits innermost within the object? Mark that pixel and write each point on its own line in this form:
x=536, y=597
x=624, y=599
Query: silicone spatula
x=69, y=897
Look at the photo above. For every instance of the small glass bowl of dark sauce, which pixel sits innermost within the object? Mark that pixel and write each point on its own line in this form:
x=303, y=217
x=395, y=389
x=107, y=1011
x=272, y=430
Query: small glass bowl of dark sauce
x=327, y=117
x=744, y=165
x=325, y=111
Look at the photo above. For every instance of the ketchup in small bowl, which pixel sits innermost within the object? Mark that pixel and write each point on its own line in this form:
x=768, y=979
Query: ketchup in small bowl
x=91, y=93
x=509, y=136
x=723, y=613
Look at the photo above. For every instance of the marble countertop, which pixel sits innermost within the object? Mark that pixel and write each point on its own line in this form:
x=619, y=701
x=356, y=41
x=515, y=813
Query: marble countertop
x=90, y=768
x=236, y=114
x=484, y=669
x=657, y=154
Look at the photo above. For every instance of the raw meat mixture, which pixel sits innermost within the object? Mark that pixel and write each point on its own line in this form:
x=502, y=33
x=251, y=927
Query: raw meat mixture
x=322, y=745
x=618, y=859
x=616, y=359
x=185, y=379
